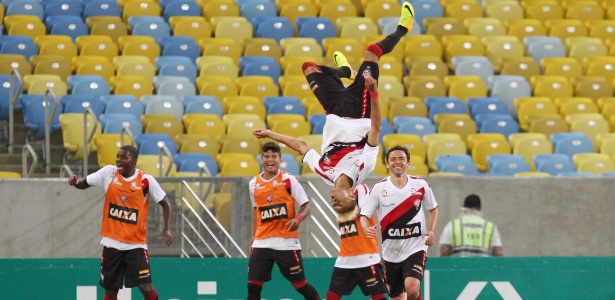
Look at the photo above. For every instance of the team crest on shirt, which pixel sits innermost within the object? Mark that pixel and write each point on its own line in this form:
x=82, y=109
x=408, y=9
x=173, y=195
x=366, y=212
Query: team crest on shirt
x=367, y=72
x=123, y=198
x=417, y=204
x=269, y=198
x=385, y=194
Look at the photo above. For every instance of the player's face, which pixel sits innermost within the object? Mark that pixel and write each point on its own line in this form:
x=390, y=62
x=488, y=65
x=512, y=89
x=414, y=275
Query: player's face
x=271, y=161
x=125, y=163
x=397, y=162
x=342, y=200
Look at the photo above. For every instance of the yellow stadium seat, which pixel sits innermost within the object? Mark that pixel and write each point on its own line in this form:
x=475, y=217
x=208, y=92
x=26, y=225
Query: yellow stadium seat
x=58, y=67
x=150, y=50
x=464, y=89
x=292, y=128
x=40, y=86
x=228, y=101
x=566, y=28
x=105, y=49
x=482, y=149
x=298, y=89
x=521, y=66
x=522, y=28
x=172, y=126
x=594, y=87
x=112, y=29
x=409, y=108
x=150, y=165
x=552, y=86
x=196, y=29
x=503, y=9
x=337, y=9
x=204, y=144
x=145, y=70
x=262, y=47
x=602, y=29
x=248, y=145
x=592, y=127
x=474, y=138
x=562, y=66
x=424, y=86
x=351, y=47
x=463, y=10
x=31, y=29
x=594, y=163
x=429, y=66
x=381, y=9
x=106, y=70
x=9, y=174
x=514, y=138
x=390, y=86
x=73, y=134
x=584, y=10
x=601, y=66
x=531, y=174
x=442, y=26
x=499, y=51
x=235, y=29
x=548, y=125
x=218, y=89
x=240, y=168
x=244, y=128
x=140, y=8
x=422, y=45
x=218, y=9
x=222, y=47
x=259, y=90
x=538, y=106
x=529, y=147
x=211, y=126
x=257, y=109
x=135, y=88
x=292, y=11
x=543, y=10
x=357, y=28
x=443, y=147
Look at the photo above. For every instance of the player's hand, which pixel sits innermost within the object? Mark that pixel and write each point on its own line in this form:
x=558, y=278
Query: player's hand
x=431, y=238
x=166, y=233
x=73, y=180
x=371, y=232
x=292, y=225
x=261, y=133
x=371, y=83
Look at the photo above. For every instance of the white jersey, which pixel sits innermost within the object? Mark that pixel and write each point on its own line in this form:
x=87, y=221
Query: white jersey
x=342, y=130
x=297, y=193
x=401, y=216
x=103, y=177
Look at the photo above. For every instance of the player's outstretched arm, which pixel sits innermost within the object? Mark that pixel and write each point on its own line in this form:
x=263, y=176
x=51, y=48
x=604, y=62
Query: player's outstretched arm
x=374, y=132
x=78, y=183
x=296, y=144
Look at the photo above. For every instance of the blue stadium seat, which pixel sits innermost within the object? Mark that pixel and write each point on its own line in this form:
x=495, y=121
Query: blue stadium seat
x=34, y=115
x=128, y=106
x=193, y=162
x=188, y=71
x=573, y=145
x=148, y=143
x=149, y=27
x=286, y=108
x=4, y=97
x=72, y=80
x=91, y=88
x=457, y=163
x=450, y=106
x=161, y=61
x=433, y=99
x=316, y=28
x=204, y=107
x=508, y=88
x=66, y=99
x=276, y=28
x=385, y=128
x=260, y=66
x=25, y=7
x=108, y=98
x=25, y=47
x=539, y=47
x=473, y=65
x=179, y=46
x=101, y=8
x=426, y=9
x=73, y=29
x=113, y=123
x=503, y=124
x=268, y=101
x=181, y=8
x=507, y=164
x=317, y=122
x=575, y=174
x=62, y=8
x=554, y=163
x=258, y=9
x=414, y=125
x=185, y=100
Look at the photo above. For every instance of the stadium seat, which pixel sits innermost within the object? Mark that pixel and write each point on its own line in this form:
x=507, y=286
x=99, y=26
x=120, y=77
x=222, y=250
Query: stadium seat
x=34, y=115
x=73, y=135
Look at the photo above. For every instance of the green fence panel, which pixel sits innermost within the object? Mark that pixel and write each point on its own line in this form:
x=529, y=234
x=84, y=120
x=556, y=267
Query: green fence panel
x=506, y=278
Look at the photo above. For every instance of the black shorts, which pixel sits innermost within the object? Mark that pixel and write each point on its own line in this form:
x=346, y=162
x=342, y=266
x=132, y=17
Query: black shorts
x=350, y=102
x=289, y=262
x=396, y=273
x=369, y=279
x=130, y=265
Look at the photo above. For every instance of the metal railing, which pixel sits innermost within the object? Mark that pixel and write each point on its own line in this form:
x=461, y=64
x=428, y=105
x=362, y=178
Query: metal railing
x=88, y=137
x=48, y=120
x=14, y=93
x=162, y=150
x=27, y=149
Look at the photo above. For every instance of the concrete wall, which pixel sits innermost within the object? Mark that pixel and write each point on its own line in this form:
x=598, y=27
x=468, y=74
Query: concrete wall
x=536, y=216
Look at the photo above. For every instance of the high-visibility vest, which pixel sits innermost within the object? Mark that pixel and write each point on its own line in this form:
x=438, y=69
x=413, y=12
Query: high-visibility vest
x=471, y=236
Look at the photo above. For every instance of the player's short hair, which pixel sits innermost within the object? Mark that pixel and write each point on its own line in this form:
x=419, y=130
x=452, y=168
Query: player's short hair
x=398, y=147
x=472, y=201
x=271, y=146
x=134, y=153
